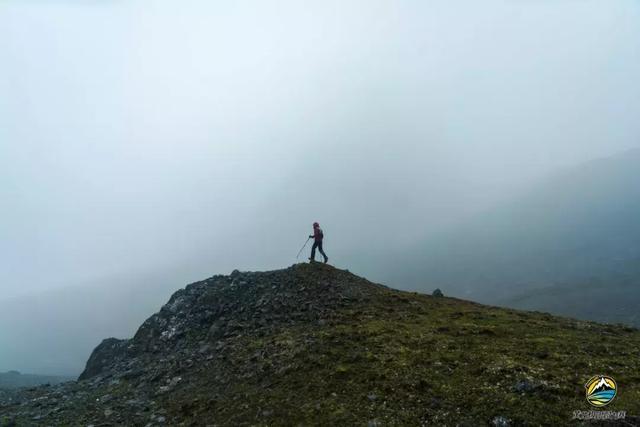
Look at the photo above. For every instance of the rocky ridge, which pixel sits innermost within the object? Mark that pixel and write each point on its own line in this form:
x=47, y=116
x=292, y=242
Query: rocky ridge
x=194, y=331
x=315, y=345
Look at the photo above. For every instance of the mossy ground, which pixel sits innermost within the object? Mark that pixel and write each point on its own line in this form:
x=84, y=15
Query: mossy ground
x=410, y=359
x=314, y=345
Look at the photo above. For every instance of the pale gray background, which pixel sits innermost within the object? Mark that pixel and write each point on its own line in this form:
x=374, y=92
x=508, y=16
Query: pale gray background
x=147, y=144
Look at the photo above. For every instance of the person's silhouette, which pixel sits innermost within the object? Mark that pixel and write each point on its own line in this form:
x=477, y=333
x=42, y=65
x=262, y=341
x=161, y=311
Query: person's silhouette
x=318, y=235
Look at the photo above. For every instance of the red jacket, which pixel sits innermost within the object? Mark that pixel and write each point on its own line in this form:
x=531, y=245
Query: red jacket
x=317, y=234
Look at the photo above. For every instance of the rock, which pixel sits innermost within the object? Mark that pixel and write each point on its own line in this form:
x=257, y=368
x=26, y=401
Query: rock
x=437, y=293
x=206, y=348
x=435, y=403
x=134, y=402
x=525, y=386
x=105, y=398
x=215, y=331
x=132, y=374
x=108, y=352
x=501, y=421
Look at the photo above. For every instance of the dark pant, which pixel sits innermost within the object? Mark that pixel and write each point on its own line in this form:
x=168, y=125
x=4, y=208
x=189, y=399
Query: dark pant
x=317, y=244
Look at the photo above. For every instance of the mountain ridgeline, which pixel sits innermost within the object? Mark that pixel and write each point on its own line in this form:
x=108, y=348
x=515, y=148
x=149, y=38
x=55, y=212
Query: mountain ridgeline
x=14, y=379
x=315, y=345
x=570, y=246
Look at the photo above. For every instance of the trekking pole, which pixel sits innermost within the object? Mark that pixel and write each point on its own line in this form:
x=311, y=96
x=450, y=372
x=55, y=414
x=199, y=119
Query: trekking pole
x=305, y=244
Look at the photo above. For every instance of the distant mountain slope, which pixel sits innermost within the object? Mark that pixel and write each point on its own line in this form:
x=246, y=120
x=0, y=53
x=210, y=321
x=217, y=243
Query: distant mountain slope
x=14, y=379
x=53, y=332
x=579, y=225
x=314, y=345
x=612, y=299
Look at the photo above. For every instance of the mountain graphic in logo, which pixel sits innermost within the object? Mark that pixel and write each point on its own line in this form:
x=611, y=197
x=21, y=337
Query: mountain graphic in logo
x=601, y=390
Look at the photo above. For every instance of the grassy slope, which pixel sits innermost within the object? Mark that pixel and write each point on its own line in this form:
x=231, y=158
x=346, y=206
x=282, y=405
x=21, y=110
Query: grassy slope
x=407, y=358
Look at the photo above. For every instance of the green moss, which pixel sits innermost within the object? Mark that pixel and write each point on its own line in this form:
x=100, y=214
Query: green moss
x=413, y=359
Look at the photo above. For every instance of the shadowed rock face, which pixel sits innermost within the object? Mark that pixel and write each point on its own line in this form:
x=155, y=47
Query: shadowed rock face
x=314, y=345
x=109, y=352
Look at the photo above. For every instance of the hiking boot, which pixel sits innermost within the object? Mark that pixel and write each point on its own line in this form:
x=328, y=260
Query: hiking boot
x=326, y=259
x=312, y=260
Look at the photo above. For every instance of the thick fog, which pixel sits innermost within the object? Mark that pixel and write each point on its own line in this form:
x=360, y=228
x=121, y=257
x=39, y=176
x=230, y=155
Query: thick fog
x=144, y=145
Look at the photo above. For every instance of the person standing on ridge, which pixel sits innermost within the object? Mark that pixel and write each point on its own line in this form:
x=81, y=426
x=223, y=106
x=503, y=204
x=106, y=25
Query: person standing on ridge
x=317, y=243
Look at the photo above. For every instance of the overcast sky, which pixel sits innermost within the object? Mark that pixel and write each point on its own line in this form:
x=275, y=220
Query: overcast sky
x=202, y=136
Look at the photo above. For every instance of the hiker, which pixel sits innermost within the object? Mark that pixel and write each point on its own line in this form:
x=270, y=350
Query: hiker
x=317, y=243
